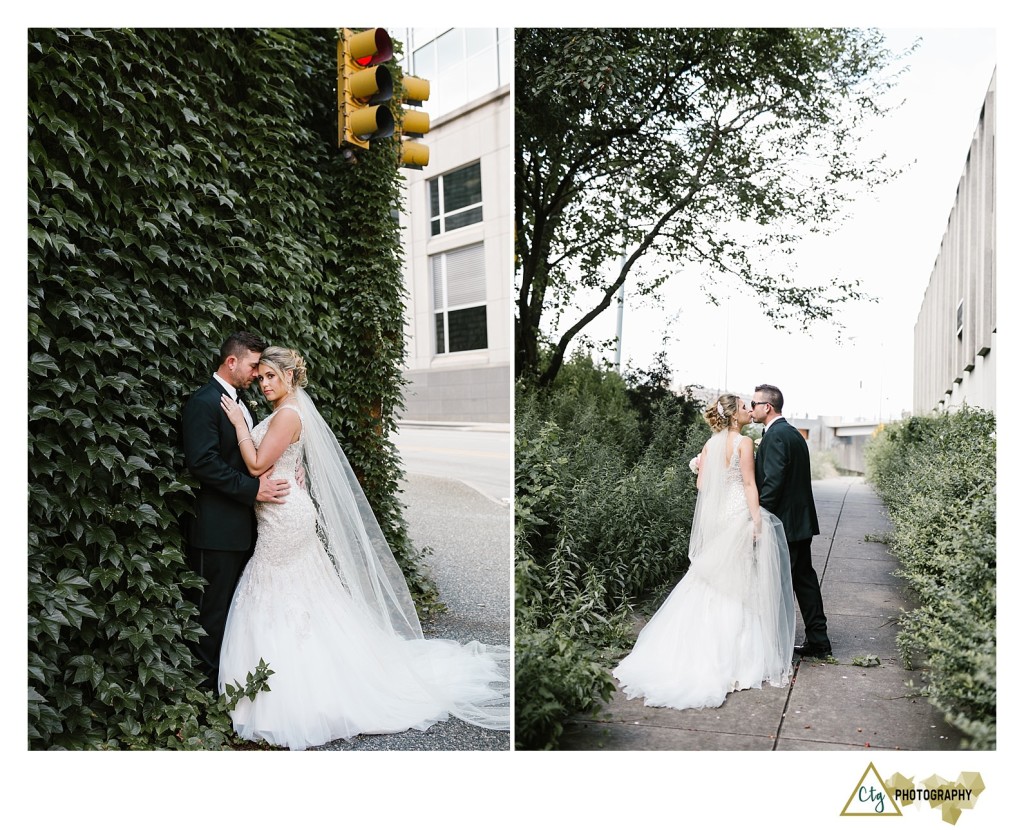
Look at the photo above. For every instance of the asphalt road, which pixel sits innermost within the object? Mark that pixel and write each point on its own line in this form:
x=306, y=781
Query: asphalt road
x=480, y=456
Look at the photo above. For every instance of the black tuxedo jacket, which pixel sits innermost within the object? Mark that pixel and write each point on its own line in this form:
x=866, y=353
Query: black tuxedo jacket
x=782, y=471
x=224, y=517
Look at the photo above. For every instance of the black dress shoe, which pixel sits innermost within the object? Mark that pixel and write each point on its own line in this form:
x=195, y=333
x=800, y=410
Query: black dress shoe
x=811, y=650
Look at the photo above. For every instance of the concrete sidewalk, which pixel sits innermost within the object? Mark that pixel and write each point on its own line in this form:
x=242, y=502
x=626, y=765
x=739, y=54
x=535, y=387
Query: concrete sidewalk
x=828, y=705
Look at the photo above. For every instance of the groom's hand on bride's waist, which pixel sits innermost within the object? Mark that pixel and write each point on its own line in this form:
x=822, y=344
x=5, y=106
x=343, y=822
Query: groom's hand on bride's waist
x=272, y=489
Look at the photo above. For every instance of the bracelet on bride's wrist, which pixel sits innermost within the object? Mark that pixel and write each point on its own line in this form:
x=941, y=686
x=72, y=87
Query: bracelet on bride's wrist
x=247, y=438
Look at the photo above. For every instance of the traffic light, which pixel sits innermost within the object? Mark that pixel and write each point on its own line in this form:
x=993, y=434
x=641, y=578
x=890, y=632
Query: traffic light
x=415, y=123
x=363, y=86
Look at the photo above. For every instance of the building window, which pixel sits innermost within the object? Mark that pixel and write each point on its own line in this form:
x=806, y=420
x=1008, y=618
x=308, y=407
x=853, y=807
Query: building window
x=960, y=320
x=456, y=200
x=461, y=64
x=460, y=309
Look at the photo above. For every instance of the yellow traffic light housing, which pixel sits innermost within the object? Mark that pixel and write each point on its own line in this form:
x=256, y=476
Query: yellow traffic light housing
x=415, y=90
x=415, y=124
x=414, y=155
x=363, y=86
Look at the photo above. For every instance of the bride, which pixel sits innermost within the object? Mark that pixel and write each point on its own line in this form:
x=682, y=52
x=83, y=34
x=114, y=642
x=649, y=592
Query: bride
x=325, y=604
x=729, y=623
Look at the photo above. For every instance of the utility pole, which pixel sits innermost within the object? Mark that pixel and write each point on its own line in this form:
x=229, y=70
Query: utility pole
x=618, y=325
x=726, y=383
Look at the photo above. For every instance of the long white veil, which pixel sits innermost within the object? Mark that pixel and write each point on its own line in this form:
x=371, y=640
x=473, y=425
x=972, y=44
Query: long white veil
x=711, y=514
x=757, y=573
x=350, y=532
x=471, y=681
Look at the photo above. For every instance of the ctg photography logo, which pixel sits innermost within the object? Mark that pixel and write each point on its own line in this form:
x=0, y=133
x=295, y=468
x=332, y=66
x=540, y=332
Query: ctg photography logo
x=873, y=797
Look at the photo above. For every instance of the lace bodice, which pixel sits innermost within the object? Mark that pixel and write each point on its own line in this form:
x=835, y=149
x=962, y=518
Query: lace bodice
x=282, y=529
x=289, y=461
x=736, y=501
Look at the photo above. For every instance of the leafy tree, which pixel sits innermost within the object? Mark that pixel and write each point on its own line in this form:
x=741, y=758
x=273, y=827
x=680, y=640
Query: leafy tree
x=705, y=147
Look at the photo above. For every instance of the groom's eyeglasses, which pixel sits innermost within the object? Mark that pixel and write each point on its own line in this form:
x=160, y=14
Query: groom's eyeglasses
x=755, y=404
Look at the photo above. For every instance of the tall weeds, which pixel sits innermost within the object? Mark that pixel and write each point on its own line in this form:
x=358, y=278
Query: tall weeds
x=604, y=502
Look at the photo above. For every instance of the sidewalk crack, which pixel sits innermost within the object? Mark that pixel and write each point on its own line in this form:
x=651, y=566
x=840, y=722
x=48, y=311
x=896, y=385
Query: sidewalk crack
x=828, y=555
x=785, y=709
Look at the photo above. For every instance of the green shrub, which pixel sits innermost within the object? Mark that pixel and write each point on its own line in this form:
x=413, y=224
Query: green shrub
x=182, y=184
x=557, y=675
x=590, y=403
x=937, y=477
x=604, y=501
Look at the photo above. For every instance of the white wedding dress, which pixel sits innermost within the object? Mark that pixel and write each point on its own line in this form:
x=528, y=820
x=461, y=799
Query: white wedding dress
x=729, y=623
x=341, y=666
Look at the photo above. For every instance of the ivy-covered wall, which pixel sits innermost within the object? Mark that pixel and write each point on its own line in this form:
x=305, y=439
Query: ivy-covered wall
x=182, y=184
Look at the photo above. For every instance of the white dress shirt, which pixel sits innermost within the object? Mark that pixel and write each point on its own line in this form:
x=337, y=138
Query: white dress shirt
x=233, y=393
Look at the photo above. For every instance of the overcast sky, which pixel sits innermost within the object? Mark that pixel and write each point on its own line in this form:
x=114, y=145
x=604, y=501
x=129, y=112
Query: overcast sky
x=890, y=243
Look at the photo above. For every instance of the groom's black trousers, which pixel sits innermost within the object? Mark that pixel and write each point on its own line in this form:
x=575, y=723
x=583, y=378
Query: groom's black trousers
x=808, y=594
x=222, y=570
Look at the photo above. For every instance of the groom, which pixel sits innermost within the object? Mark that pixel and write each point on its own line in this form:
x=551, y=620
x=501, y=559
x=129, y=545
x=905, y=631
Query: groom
x=782, y=472
x=222, y=533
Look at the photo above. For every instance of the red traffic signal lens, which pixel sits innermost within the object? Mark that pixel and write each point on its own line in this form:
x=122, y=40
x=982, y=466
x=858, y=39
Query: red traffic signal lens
x=377, y=40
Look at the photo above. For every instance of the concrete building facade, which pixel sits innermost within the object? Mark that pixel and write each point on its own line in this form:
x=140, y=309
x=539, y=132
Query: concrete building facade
x=955, y=334
x=457, y=230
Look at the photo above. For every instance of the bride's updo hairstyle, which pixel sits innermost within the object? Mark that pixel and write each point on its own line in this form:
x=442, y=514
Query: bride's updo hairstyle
x=285, y=361
x=720, y=413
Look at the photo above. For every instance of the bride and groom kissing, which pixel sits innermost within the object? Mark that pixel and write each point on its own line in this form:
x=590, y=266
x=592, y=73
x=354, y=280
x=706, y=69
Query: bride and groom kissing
x=730, y=623
x=299, y=574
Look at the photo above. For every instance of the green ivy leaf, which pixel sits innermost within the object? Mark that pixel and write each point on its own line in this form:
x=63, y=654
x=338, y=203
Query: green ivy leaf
x=40, y=363
x=57, y=178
